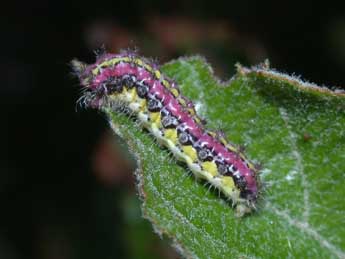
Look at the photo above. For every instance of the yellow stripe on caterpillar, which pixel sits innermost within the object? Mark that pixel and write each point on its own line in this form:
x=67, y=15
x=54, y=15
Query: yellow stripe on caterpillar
x=182, y=101
x=171, y=134
x=158, y=74
x=143, y=105
x=174, y=92
x=190, y=152
x=228, y=182
x=210, y=167
x=156, y=118
x=166, y=84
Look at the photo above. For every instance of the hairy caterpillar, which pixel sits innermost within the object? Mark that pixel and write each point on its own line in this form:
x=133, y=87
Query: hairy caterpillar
x=128, y=81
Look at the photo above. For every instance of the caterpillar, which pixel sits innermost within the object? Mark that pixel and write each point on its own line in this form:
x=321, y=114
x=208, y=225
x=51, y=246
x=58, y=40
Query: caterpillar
x=136, y=84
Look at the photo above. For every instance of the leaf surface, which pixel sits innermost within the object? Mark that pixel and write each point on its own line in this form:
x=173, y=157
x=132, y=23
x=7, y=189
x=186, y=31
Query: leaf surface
x=295, y=130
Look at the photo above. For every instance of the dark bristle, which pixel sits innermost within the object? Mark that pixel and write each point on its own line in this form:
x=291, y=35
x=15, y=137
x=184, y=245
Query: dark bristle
x=131, y=52
x=203, y=121
x=100, y=52
x=258, y=166
x=241, y=148
x=154, y=62
x=78, y=67
x=220, y=134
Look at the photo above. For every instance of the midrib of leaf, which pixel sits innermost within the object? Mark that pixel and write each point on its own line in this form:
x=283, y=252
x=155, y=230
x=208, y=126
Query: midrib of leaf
x=252, y=111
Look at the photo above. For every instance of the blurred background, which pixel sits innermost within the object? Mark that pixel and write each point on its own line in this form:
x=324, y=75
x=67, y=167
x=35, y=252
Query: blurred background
x=66, y=183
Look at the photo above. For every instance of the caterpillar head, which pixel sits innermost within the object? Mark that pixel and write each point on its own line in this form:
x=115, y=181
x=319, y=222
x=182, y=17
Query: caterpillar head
x=91, y=97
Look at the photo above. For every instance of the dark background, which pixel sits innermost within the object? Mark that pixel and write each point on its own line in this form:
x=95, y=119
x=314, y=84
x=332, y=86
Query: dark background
x=65, y=190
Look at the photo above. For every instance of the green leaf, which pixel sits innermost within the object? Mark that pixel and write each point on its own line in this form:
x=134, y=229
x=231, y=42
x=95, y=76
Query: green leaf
x=294, y=129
